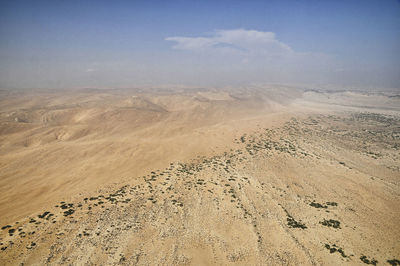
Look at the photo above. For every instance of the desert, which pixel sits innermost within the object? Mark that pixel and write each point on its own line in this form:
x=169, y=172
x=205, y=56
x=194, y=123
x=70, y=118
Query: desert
x=257, y=175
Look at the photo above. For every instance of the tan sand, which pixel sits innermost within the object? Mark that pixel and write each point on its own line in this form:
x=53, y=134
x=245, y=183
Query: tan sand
x=260, y=176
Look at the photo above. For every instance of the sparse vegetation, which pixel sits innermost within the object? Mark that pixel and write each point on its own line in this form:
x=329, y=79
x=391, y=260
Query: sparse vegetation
x=317, y=205
x=367, y=260
x=331, y=223
x=393, y=262
x=333, y=248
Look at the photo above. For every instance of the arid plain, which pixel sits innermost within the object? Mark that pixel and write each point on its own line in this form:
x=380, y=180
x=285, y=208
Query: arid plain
x=250, y=176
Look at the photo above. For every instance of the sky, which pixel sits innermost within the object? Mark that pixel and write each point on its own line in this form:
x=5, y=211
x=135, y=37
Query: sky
x=73, y=44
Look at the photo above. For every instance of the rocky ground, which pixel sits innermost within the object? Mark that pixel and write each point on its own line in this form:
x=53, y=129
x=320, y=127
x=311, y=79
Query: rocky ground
x=321, y=189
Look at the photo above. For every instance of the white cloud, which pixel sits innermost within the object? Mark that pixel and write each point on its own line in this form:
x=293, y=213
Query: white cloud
x=241, y=55
x=187, y=43
x=237, y=40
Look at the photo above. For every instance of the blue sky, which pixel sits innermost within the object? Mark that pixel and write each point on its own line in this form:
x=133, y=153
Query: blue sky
x=200, y=43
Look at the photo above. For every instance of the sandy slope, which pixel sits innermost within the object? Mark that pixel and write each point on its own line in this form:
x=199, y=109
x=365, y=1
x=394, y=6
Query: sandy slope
x=250, y=177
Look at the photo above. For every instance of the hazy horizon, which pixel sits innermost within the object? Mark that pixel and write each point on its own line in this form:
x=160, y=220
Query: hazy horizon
x=226, y=43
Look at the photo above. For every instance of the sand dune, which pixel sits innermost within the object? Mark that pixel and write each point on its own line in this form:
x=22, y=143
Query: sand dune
x=251, y=176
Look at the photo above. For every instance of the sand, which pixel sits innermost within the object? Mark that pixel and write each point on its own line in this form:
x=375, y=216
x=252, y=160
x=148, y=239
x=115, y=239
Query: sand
x=255, y=176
